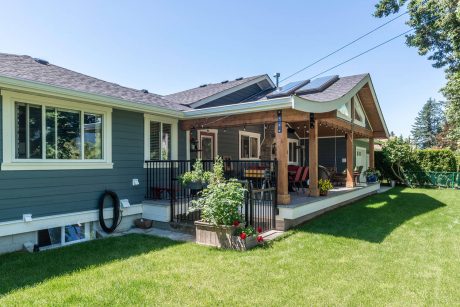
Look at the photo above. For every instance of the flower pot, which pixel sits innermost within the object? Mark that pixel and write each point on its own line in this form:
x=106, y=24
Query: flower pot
x=196, y=186
x=143, y=223
x=214, y=235
x=371, y=178
x=221, y=236
x=243, y=245
x=323, y=193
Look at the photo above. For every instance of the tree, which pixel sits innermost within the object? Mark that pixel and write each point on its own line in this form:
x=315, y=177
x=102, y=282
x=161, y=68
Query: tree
x=428, y=124
x=398, y=153
x=437, y=34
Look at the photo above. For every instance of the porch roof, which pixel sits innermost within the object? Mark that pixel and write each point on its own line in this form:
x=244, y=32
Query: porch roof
x=323, y=104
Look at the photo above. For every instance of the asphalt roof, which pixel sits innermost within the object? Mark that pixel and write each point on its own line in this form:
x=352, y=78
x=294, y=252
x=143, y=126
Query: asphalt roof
x=193, y=95
x=337, y=90
x=26, y=68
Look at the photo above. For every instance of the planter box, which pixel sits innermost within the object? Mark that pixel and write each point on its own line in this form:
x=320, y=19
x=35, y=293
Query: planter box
x=222, y=237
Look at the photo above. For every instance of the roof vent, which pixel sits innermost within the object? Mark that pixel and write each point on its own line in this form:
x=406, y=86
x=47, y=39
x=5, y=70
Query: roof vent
x=238, y=79
x=144, y=91
x=41, y=61
x=223, y=82
x=203, y=85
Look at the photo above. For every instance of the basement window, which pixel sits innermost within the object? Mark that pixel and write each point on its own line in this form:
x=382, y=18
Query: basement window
x=65, y=235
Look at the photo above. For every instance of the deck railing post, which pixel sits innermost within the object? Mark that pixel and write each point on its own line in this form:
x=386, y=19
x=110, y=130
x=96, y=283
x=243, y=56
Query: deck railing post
x=171, y=189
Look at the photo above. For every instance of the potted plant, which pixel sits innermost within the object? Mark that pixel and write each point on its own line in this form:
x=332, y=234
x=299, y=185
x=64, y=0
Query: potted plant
x=324, y=186
x=220, y=203
x=372, y=175
x=197, y=178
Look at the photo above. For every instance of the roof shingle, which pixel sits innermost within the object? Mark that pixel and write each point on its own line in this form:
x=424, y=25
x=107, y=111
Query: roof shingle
x=193, y=95
x=26, y=68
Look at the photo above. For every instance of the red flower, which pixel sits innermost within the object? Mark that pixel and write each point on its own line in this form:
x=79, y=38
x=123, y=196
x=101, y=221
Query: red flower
x=236, y=223
x=260, y=239
x=259, y=229
x=243, y=236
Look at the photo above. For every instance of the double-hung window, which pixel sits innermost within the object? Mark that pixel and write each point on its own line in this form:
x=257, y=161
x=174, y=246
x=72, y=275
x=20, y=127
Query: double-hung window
x=160, y=138
x=249, y=145
x=46, y=133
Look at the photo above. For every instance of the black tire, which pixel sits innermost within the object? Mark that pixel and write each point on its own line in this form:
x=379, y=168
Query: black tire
x=116, y=211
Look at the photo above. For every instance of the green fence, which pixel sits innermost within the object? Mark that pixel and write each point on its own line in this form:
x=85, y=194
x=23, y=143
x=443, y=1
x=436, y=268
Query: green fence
x=435, y=179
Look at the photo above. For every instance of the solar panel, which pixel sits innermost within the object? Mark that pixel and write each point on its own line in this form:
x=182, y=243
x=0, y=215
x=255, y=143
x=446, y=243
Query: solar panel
x=317, y=85
x=288, y=89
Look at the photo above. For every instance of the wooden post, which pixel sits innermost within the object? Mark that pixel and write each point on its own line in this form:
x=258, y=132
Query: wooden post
x=350, y=161
x=313, y=156
x=282, y=156
x=371, y=153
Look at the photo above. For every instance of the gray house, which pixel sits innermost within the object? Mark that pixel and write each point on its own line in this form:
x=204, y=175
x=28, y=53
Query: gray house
x=66, y=138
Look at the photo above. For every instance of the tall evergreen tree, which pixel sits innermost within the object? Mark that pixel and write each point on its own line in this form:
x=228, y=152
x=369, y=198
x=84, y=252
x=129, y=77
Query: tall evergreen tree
x=428, y=124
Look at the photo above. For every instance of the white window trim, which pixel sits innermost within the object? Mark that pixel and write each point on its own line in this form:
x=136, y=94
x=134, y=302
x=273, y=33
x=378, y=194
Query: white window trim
x=253, y=135
x=174, y=134
x=343, y=116
x=297, y=144
x=216, y=136
x=359, y=108
x=10, y=163
x=63, y=242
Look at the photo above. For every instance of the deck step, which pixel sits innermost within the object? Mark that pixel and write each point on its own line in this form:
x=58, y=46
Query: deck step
x=271, y=235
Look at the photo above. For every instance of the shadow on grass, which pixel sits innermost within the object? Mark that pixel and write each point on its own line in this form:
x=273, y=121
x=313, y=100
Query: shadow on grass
x=23, y=269
x=372, y=219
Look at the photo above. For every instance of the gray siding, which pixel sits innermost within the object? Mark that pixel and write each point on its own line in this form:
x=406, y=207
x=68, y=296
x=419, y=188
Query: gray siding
x=63, y=191
x=328, y=151
x=227, y=141
x=327, y=154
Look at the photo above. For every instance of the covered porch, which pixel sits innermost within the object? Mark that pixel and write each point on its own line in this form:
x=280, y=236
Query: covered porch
x=276, y=129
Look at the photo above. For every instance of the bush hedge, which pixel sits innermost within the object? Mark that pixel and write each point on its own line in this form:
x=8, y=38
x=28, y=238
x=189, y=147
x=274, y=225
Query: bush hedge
x=426, y=160
x=436, y=160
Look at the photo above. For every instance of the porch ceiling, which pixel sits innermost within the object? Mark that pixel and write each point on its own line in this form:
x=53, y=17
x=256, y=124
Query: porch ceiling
x=329, y=124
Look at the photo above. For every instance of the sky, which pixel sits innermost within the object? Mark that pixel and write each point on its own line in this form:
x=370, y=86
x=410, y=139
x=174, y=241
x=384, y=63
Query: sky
x=167, y=46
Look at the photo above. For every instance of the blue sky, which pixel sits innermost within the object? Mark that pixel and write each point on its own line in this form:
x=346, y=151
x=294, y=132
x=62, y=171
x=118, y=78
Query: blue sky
x=168, y=46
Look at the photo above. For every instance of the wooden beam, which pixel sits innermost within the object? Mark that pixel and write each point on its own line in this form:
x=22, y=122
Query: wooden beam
x=350, y=161
x=282, y=156
x=313, y=157
x=264, y=117
x=350, y=156
x=371, y=153
x=347, y=126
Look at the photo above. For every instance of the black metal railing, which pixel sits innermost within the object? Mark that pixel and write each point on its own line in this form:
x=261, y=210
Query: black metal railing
x=163, y=183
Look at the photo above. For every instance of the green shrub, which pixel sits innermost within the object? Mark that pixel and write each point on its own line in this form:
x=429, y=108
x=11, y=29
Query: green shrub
x=436, y=160
x=383, y=166
x=221, y=200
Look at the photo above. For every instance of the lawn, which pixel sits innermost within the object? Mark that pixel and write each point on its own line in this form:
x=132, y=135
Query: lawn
x=397, y=248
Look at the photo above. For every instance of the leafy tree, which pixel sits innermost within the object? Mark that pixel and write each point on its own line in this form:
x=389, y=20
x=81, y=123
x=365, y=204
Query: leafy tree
x=428, y=124
x=398, y=153
x=437, y=34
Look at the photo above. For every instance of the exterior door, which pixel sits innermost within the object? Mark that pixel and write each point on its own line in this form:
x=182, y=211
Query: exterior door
x=361, y=160
x=207, y=145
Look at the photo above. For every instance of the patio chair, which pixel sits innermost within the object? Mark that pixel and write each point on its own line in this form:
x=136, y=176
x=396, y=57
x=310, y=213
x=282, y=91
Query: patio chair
x=304, y=179
x=295, y=181
x=357, y=173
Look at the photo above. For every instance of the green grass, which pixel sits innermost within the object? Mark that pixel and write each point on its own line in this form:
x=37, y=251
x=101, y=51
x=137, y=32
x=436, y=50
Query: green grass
x=397, y=248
